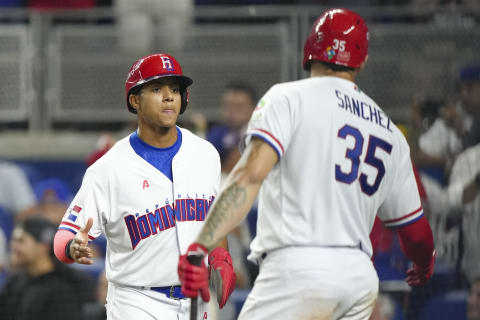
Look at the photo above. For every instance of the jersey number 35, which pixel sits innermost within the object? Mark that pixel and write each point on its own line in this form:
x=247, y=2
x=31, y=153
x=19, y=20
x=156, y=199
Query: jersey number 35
x=354, y=156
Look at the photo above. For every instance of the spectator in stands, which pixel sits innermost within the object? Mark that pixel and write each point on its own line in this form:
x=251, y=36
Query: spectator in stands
x=438, y=139
x=237, y=104
x=429, y=119
x=16, y=198
x=463, y=195
x=39, y=287
x=16, y=193
x=141, y=21
x=453, y=127
x=469, y=88
x=53, y=196
x=473, y=302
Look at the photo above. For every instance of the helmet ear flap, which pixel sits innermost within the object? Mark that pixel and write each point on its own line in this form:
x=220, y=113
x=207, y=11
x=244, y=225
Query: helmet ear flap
x=185, y=97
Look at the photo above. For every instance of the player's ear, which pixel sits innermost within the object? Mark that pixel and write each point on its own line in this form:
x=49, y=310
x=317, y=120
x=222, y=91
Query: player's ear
x=134, y=101
x=362, y=66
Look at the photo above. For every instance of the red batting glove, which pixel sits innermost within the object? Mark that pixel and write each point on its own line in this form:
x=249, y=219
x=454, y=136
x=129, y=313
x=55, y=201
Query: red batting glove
x=419, y=276
x=194, y=278
x=222, y=274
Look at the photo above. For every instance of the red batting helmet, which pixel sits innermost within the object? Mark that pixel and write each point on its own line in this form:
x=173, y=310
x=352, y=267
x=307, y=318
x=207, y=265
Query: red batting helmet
x=338, y=36
x=153, y=67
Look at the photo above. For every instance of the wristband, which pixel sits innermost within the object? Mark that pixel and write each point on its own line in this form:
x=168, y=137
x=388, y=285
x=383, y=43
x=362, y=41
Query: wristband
x=67, y=250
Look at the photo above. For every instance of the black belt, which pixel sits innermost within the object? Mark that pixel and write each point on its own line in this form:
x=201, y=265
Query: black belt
x=359, y=246
x=174, y=292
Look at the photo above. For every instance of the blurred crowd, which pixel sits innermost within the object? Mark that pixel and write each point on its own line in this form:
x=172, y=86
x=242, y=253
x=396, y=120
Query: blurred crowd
x=33, y=283
x=444, y=136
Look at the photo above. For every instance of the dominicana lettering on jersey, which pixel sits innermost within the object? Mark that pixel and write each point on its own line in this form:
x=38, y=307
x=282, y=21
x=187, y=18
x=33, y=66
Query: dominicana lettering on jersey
x=141, y=227
x=363, y=110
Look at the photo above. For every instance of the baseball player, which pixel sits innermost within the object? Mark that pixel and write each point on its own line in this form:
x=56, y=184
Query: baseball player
x=149, y=195
x=324, y=158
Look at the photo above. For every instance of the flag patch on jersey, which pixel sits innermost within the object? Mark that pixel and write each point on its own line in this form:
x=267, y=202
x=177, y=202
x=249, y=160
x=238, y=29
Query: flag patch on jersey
x=72, y=214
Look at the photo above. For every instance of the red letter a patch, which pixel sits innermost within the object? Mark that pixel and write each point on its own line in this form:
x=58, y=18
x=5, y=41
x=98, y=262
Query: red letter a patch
x=145, y=184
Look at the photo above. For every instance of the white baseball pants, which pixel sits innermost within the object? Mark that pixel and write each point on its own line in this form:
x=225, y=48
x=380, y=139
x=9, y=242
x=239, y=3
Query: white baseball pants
x=307, y=283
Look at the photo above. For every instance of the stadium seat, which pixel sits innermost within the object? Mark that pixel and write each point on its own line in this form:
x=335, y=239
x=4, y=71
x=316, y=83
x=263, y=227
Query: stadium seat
x=452, y=305
x=61, y=188
x=69, y=171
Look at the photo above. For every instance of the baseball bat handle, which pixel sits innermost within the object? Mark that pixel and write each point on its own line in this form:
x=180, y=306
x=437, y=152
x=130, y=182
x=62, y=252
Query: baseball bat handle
x=197, y=261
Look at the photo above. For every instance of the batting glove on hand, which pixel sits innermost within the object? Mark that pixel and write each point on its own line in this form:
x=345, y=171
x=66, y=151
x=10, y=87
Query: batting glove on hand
x=419, y=276
x=194, y=278
x=222, y=274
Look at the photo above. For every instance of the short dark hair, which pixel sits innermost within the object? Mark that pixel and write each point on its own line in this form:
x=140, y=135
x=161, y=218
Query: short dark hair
x=243, y=87
x=429, y=108
x=41, y=229
x=336, y=67
x=467, y=75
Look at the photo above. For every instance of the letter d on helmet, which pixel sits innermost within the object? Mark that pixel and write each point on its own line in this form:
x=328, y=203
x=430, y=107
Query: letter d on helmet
x=153, y=67
x=338, y=36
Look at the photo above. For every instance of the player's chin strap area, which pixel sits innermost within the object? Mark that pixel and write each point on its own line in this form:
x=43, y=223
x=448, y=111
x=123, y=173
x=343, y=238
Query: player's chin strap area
x=172, y=292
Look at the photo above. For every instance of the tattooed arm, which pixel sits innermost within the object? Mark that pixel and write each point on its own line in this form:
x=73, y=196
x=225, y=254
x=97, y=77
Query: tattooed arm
x=240, y=190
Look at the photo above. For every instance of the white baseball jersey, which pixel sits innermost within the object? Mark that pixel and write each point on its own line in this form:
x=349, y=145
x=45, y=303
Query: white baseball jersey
x=341, y=161
x=441, y=140
x=465, y=169
x=148, y=220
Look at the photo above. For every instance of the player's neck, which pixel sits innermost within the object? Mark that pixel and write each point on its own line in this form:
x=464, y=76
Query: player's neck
x=318, y=70
x=158, y=137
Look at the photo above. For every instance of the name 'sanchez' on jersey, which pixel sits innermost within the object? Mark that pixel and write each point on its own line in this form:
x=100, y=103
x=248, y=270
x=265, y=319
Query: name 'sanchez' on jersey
x=363, y=110
x=141, y=227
